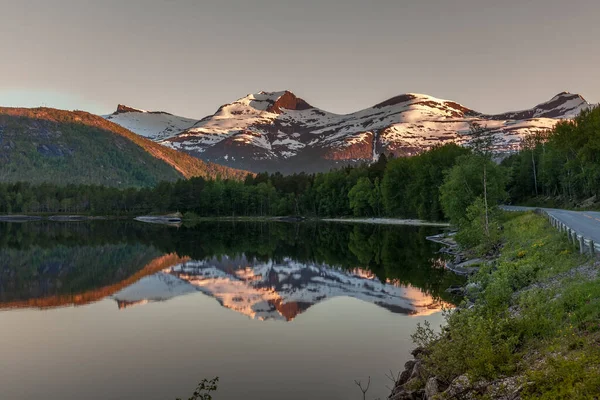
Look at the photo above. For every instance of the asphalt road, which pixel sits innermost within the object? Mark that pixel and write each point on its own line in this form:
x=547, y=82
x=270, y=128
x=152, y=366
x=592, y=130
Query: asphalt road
x=585, y=223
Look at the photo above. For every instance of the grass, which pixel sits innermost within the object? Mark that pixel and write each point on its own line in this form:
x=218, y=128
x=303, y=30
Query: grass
x=536, y=316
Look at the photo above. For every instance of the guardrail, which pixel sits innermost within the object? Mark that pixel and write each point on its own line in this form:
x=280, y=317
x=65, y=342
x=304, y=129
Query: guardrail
x=585, y=244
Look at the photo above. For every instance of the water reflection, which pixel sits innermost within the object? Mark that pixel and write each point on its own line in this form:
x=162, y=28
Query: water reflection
x=265, y=271
x=71, y=295
x=273, y=291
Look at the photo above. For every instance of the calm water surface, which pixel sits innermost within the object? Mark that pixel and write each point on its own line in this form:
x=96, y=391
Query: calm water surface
x=114, y=310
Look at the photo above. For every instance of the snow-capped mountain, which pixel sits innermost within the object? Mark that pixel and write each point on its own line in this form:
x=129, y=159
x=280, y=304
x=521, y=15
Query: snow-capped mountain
x=155, y=125
x=279, y=131
x=274, y=291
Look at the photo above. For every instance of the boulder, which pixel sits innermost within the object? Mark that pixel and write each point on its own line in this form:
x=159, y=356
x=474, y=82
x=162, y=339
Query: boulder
x=419, y=351
x=457, y=290
x=417, y=371
x=431, y=388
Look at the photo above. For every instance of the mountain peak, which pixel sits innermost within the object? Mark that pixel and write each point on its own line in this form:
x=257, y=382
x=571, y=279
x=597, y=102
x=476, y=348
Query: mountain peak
x=567, y=96
x=122, y=108
x=563, y=105
x=274, y=102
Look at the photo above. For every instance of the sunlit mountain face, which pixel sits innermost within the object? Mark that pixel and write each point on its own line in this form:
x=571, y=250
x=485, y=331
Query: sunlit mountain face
x=268, y=271
x=280, y=132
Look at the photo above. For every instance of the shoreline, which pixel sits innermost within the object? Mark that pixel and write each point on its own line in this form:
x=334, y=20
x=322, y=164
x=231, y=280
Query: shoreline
x=537, y=272
x=161, y=218
x=387, y=221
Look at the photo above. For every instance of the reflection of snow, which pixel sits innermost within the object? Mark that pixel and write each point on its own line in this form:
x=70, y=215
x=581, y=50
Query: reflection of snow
x=157, y=287
x=275, y=290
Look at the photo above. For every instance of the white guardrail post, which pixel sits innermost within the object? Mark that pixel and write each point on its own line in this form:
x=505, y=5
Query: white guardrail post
x=572, y=235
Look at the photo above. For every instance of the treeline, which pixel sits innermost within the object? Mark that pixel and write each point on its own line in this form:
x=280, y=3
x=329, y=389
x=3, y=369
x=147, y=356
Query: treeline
x=405, y=187
x=562, y=164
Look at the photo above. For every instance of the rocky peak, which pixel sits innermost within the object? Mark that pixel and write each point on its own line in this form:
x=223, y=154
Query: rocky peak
x=288, y=100
x=121, y=109
x=563, y=105
x=562, y=98
x=403, y=98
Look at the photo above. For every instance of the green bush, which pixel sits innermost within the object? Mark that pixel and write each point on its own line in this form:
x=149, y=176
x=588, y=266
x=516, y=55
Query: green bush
x=530, y=319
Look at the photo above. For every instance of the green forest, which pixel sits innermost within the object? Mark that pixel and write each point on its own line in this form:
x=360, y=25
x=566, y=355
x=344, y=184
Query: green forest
x=561, y=166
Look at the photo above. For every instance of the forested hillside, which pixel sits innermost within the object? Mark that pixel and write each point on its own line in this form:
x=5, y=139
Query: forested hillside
x=62, y=147
x=401, y=187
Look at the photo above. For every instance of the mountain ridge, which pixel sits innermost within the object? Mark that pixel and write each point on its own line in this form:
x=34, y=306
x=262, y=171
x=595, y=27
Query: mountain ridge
x=50, y=145
x=278, y=131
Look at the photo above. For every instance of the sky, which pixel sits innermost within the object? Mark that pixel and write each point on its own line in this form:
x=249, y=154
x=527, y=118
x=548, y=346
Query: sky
x=188, y=57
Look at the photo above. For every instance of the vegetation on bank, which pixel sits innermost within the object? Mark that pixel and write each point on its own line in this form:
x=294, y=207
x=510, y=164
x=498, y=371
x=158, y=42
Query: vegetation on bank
x=535, y=315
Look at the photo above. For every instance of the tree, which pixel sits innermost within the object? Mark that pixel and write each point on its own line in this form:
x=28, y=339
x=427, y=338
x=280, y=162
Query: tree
x=482, y=142
x=375, y=198
x=360, y=197
x=463, y=185
x=204, y=389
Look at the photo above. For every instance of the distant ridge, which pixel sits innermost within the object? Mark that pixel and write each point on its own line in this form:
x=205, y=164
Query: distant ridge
x=278, y=131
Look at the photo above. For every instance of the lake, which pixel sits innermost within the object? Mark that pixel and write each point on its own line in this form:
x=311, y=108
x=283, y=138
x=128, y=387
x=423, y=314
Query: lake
x=128, y=310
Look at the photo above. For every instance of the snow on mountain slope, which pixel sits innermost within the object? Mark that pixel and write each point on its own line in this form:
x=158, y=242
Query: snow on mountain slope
x=277, y=131
x=154, y=125
x=274, y=291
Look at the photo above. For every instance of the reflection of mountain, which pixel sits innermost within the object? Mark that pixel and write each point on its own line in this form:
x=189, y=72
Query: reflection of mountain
x=60, y=298
x=272, y=290
x=157, y=287
x=51, y=264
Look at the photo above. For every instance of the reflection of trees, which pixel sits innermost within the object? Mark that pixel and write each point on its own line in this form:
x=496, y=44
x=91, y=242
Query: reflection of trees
x=92, y=254
x=66, y=270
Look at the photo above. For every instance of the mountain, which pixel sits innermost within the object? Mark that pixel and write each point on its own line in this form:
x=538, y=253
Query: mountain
x=154, y=125
x=273, y=291
x=278, y=131
x=48, y=145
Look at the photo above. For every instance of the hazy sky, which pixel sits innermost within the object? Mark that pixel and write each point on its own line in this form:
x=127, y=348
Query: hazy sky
x=190, y=56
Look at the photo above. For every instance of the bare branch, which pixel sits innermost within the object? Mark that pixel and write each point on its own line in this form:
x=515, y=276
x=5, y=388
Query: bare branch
x=363, y=390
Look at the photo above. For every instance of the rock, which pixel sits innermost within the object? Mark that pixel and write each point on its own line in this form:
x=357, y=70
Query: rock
x=419, y=351
x=404, y=376
x=506, y=389
x=419, y=394
x=417, y=371
x=409, y=365
x=403, y=395
x=457, y=290
x=469, y=263
x=458, y=387
x=431, y=388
